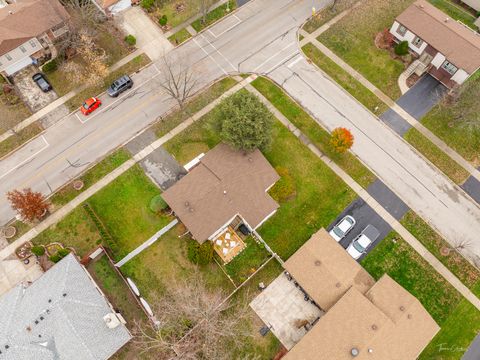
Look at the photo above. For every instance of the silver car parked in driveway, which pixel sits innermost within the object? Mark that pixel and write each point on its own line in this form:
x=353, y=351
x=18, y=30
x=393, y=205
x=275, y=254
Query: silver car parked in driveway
x=362, y=242
x=342, y=228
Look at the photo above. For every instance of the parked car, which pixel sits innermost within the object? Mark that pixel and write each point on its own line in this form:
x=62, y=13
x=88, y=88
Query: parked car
x=42, y=82
x=362, y=242
x=120, y=85
x=90, y=105
x=342, y=228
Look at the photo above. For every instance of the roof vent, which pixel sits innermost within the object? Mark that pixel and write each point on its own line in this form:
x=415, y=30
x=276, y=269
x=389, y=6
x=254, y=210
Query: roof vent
x=409, y=316
x=370, y=351
x=317, y=263
x=187, y=204
x=447, y=19
x=402, y=308
x=374, y=327
x=355, y=352
x=224, y=192
x=190, y=209
x=64, y=294
x=338, y=285
x=111, y=320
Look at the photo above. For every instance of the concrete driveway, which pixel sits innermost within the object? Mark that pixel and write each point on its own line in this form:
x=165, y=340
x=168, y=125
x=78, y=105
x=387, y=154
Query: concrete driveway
x=149, y=37
x=13, y=272
x=31, y=94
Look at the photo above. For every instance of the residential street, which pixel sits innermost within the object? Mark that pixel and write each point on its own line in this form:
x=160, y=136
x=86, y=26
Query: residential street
x=259, y=38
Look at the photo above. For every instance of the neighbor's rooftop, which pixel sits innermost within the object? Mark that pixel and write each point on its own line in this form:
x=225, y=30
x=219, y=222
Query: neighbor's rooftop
x=459, y=44
x=385, y=323
x=225, y=183
x=59, y=316
x=326, y=271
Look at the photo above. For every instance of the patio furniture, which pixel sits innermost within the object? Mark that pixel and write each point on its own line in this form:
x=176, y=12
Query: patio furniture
x=228, y=236
x=233, y=243
x=225, y=251
x=218, y=242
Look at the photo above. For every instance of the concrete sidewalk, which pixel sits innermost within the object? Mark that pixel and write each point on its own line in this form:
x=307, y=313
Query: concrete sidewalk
x=311, y=38
x=65, y=210
x=362, y=193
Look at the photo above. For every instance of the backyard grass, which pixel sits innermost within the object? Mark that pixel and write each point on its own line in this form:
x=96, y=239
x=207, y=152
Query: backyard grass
x=214, y=15
x=325, y=15
x=447, y=307
x=441, y=160
x=319, y=136
x=352, y=38
x=458, y=124
x=320, y=194
x=75, y=230
x=455, y=262
x=91, y=176
x=19, y=138
x=132, y=66
x=247, y=262
x=123, y=207
x=455, y=12
x=194, y=105
x=345, y=80
x=179, y=37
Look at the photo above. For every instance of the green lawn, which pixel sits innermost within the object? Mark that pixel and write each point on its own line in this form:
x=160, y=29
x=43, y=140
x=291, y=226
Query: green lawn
x=19, y=138
x=129, y=68
x=352, y=38
x=446, y=305
x=247, y=262
x=179, y=37
x=327, y=14
x=458, y=124
x=104, y=167
x=214, y=15
x=319, y=136
x=75, y=230
x=194, y=105
x=456, y=12
x=345, y=80
x=320, y=194
x=175, y=17
x=123, y=207
x=441, y=160
x=455, y=262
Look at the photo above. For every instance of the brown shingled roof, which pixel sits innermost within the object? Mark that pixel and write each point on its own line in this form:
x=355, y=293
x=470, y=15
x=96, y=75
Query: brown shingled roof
x=372, y=323
x=460, y=45
x=225, y=183
x=326, y=271
x=26, y=19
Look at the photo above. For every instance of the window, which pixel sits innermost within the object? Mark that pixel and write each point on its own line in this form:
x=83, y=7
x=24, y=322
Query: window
x=449, y=67
x=417, y=41
x=402, y=30
x=8, y=57
x=23, y=48
x=33, y=43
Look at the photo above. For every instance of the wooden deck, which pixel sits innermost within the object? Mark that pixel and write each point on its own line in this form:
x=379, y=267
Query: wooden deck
x=228, y=245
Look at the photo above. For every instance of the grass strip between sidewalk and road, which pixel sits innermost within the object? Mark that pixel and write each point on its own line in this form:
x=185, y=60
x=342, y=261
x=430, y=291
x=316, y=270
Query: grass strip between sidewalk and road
x=179, y=37
x=19, y=138
x=132, y=66
x=214, y=15
x=318, y=135
x=326, y=14
x=441, y=160
x=345, y=80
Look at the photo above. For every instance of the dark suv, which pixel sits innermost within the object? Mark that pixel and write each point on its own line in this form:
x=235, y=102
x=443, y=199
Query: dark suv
x=120, y=85
x=42, y=82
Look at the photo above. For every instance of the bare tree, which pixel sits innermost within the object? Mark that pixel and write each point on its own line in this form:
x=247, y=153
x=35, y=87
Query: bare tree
x=204, y=6
x=178, y=80
x=462, y=245
x=193, y=323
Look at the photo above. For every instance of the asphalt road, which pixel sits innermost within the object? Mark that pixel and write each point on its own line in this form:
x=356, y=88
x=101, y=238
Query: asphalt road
x=260, y=38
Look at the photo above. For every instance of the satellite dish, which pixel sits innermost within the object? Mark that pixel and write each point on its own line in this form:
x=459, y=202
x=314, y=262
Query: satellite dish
x=133, y=286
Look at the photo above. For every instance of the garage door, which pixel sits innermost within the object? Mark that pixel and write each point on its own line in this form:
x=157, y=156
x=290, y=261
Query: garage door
x=19, y=65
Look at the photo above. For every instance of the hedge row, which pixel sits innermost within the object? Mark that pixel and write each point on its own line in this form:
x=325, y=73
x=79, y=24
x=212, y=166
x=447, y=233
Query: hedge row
x=107, y=238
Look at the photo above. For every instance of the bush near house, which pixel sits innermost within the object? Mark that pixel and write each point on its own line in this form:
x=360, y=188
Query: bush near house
x=284, y=189
x=401, y=48
x=38, y=250
x=50, y=66
x=163, y=20
x=130, y=40
x=200, y=254
x=59, y=255
x=147, y=4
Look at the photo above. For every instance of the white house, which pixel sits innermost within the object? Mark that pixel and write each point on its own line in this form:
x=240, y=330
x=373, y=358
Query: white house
x=447, y=50
x=28, y=31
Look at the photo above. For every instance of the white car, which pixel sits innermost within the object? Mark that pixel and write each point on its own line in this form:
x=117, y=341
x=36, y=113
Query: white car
x=362, y=242
x=343, y=227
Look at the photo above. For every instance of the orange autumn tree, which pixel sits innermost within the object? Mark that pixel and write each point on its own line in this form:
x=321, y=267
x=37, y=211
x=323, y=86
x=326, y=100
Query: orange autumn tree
x=341, y=139
x=29, y=204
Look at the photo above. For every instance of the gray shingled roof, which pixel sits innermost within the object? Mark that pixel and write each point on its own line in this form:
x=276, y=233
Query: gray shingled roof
x=59, y=316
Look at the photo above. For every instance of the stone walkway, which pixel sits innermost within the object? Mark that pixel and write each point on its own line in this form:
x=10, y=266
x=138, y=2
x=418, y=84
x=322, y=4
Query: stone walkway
x=311, y=38
x=362, y=193
x=65, y=210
